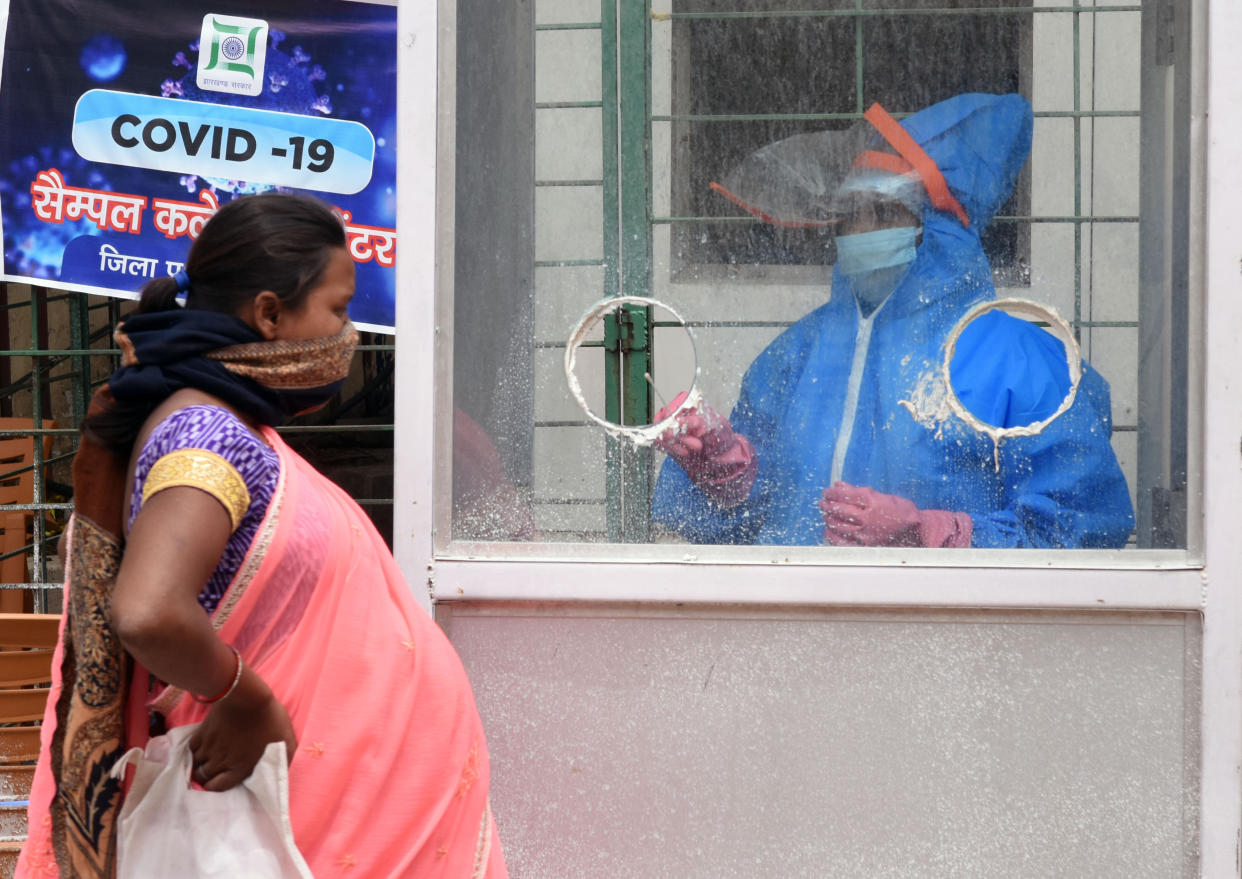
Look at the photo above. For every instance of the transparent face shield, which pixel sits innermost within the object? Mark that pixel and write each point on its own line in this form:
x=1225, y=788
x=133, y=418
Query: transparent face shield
x=793, y=182
x=823, y=178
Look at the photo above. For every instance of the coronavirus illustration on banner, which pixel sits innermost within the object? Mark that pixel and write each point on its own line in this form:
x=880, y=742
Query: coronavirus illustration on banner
x=123, y=127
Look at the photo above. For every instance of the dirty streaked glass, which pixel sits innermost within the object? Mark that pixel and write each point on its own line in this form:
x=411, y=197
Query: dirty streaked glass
x=821, y=200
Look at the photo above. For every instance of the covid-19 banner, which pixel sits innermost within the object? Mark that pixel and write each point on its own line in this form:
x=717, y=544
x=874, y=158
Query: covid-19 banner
x=125, y=125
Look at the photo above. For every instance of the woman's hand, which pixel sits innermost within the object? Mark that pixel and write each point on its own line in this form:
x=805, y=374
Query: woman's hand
x=230, y=742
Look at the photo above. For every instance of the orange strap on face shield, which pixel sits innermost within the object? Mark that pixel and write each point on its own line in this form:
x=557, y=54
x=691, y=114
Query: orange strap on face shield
x=763, y=215
x=885, y=162
x=915, y=158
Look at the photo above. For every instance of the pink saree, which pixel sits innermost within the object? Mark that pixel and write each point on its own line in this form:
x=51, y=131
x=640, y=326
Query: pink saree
x=391, y=775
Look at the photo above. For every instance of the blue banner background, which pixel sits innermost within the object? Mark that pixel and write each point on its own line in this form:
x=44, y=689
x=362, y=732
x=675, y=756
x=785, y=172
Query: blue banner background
x=332, y=60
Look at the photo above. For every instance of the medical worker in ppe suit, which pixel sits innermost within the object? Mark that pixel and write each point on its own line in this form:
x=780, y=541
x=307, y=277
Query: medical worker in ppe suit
x=820, y=447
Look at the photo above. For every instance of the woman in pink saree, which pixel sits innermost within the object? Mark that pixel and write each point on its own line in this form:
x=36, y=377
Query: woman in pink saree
x=215, y=577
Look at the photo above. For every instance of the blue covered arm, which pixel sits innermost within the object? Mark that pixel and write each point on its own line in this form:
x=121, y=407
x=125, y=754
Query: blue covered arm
x=1062, y=487
x=681, y=505
x=678, y=504
x=1009, y=372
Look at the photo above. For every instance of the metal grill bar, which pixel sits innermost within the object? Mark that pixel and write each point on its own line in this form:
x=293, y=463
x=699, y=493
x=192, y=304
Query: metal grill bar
x=855, y=116
x=859, y=12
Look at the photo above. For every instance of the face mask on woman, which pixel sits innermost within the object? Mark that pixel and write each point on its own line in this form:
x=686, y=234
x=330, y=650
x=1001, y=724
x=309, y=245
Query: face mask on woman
x=875, y=262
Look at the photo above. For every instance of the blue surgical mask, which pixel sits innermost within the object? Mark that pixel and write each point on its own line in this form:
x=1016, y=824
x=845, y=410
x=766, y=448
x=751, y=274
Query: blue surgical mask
x=875, y=262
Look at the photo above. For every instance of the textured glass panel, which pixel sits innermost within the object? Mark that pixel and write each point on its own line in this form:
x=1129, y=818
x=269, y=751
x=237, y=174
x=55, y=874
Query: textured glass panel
x=828, y=193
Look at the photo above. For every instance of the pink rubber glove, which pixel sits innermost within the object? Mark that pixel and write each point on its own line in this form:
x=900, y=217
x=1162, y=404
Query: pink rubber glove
x=856, y=516
x=720, y=462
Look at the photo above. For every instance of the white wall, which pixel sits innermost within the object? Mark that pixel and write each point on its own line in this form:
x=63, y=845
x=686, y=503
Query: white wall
x=713, y=744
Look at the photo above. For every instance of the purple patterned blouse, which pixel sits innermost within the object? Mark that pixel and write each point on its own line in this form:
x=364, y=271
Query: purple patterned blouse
x=217, y=430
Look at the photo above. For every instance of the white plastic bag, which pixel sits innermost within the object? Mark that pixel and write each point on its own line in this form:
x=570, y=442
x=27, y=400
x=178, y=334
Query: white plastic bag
x=168, y=828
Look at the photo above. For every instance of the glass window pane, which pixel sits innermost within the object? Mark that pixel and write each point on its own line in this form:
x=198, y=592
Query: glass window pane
x=826, y=195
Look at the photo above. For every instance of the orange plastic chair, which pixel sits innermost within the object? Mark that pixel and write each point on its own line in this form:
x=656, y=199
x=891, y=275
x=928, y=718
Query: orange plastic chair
x=17, y=487
x=28, y=640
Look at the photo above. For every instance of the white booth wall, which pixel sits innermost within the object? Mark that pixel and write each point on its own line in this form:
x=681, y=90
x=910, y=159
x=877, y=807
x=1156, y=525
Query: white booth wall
x=654, y=742
x=727, y=715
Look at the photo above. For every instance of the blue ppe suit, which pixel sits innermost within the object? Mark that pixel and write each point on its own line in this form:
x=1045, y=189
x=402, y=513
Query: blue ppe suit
x=832, y=385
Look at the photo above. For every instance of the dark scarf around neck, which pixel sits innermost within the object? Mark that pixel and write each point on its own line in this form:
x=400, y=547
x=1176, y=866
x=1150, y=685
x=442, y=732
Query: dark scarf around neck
x=221, y=355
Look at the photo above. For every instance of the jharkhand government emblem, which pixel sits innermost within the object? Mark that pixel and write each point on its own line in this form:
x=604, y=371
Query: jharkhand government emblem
x=231, y=54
